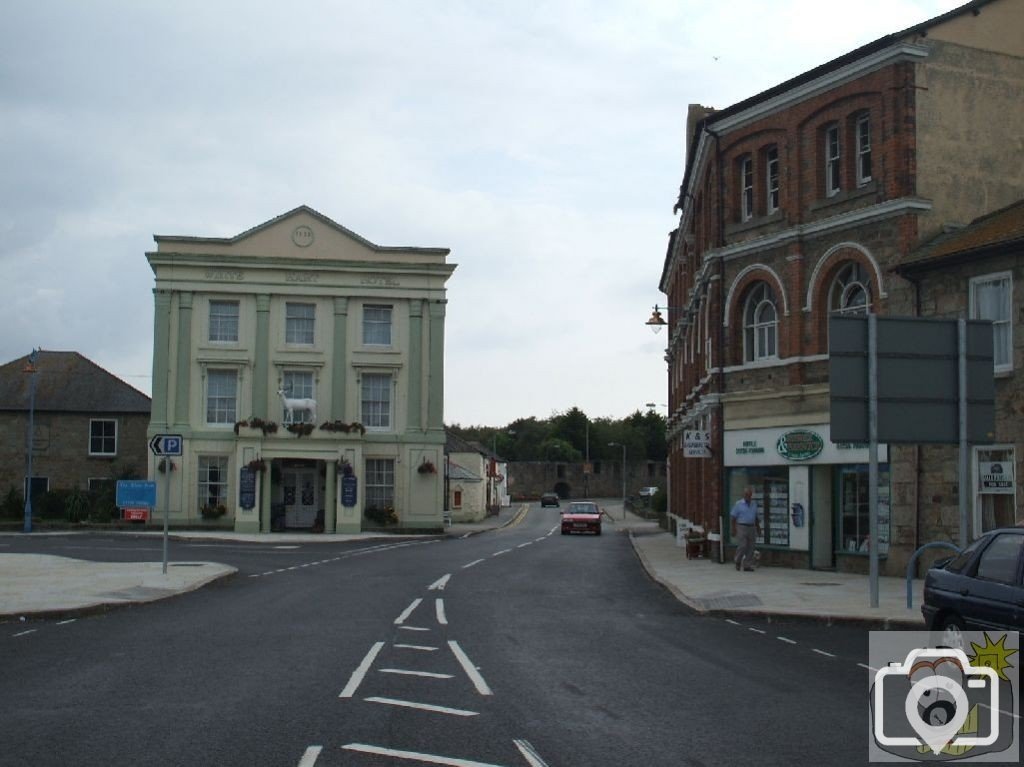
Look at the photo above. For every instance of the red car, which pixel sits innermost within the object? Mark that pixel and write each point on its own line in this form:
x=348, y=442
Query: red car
x=581, y=517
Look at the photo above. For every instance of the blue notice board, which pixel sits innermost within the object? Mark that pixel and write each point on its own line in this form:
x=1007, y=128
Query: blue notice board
x=247, y=489
x=348, y=490
x=136, y=493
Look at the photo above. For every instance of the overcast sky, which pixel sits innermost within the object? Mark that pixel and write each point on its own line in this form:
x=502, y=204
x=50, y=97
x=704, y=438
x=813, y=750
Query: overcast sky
x=541, y=141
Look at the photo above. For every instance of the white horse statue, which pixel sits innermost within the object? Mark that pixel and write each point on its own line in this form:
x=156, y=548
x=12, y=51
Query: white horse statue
x=291, y=405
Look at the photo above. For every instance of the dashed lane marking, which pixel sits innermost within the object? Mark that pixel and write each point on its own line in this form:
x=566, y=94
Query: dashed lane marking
x=469, y=668
x=439, y=609
x=499, y=553
x=65, y=623
x=360, y=673
x=413, y=628
x=474, y=562
x=423, y=706
x=415, y=756
x=529, y=753
x=787, y=640
x=422, y=648
x=822, y=652
x=25, y=633
x=407, y=672
x=309, y=758
x=521, y=545
x=756, y=631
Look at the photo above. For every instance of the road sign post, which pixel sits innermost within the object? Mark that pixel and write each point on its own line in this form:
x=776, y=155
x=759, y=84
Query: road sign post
x=166, y=446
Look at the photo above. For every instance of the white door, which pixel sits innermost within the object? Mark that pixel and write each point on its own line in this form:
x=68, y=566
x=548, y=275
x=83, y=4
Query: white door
x=300, y=497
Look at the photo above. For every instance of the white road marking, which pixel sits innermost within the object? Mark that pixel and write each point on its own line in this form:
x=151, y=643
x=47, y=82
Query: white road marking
x=269, y=572
x=786, y=640
x=413, y=628
x=424, y=648
x=428, y=674
x=440, y=583
x=529, y=753
x=423, y=706
x=309, y=758
x=499, y=553
x=439, y=609
x=286, y=547
x=521, y=545
x=758, y=631
x=65, y=623
x=538, y=540
x=822, y=652
x=734, y=623
x=869, y=668
x=416, y=756
x=466, y=535
x=279, y=571
x=474, y=562
x=24, y=633
x=357, y=676
x=1004, y=713
x=407, y=612
x=469, y=668
x=256, y=575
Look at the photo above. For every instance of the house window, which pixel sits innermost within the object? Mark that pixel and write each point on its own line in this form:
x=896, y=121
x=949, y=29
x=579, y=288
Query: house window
x=772, y=180
x=213, y=481
x=102, y=436
x=380, y=483
x=760, y=324
x=832, y=160
x=299, y=324
x=377, y=325
x=851, y=290
x=298, y=384
x=746, y=189
x=991, y=299
x=376, y=399
x=863, y=149
x=224, y=321
x=221, y=396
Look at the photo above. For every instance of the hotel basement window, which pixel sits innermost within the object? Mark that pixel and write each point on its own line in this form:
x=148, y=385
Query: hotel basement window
x=224, y=321
x=102, y=436
x=300, y=321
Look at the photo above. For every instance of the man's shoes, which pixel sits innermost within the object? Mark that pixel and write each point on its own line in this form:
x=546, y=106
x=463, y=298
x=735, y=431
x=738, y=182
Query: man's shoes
x=748, y=569
x=737, y=566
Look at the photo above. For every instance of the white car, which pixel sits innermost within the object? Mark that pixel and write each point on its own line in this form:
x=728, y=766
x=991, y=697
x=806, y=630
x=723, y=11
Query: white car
x=647, y=492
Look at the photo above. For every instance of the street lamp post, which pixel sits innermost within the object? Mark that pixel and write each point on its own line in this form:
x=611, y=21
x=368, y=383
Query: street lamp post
x=30, y=368
x=617, y=444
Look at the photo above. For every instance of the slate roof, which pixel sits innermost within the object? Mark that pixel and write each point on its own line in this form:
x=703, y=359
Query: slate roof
x=991, y=234
x=68, y=382
x=461, y=473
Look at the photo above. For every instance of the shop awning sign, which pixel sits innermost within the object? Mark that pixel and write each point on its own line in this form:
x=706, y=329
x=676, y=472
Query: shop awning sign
x=996, y=477
x=696, y=444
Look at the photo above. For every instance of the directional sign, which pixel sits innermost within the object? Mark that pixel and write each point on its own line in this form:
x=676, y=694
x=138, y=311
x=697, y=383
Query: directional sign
x=166, y=444
x=135, y=493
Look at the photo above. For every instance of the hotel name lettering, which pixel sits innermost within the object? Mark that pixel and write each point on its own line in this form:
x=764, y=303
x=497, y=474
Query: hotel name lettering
x=301, y=277
x=230, y=275
x=384, y=282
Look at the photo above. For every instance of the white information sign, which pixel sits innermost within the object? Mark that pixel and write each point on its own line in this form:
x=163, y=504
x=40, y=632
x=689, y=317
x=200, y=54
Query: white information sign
x=997, y=477
x=695, y=444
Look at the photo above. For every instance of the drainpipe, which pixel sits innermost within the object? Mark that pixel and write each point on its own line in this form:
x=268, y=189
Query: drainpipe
x=720, y=205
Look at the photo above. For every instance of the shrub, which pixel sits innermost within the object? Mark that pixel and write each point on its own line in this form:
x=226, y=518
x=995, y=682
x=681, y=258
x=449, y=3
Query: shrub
x=13, y=505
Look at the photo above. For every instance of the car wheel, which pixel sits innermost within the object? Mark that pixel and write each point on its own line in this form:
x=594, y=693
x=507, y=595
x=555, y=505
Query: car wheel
x=952, y=627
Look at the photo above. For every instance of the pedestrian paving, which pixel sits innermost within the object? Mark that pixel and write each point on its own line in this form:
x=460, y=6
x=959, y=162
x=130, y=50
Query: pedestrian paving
x=36, y=585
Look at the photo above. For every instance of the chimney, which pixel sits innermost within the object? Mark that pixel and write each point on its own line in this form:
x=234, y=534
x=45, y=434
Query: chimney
x=694, y=114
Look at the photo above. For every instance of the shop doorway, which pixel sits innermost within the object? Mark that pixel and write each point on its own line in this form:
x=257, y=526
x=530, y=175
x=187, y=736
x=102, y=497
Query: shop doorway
x=301, y=502
x=822, y=537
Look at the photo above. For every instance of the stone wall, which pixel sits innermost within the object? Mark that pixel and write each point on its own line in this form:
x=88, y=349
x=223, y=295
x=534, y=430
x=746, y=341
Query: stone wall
x=528, y=479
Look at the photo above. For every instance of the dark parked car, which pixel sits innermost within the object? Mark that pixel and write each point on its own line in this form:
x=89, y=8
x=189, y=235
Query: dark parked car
x=979, y=588
x=549, y=499
x=581, y=517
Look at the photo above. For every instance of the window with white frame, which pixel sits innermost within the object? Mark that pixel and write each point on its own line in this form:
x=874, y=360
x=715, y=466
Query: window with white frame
x=863, y=148
x=221, y=396
x=299, y=324
x=746, y=188
x=992, y=299
x=298, y=384
x=832, y=160
x=377, y=325
x=772, y=180
x=850, y=292
x=380, y=483
x=376, y=401
x=103, y=436
x=760, y=324
x=213, y=481
x=224, y=321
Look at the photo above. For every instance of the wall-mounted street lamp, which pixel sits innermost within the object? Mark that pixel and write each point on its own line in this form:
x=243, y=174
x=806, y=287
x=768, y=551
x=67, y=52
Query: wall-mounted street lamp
x=30, y=369
x=657, y=321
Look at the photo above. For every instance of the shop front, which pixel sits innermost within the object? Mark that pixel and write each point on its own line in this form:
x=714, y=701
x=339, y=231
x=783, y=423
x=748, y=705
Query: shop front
x=812, y=495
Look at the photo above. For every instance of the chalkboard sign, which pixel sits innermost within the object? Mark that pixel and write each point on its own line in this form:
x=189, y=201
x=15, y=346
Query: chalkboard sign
x=348, y=490
x=247, y=489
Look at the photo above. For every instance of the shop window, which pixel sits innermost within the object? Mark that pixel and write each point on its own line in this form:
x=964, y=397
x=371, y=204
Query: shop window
x=854, y=510
x=771, y=493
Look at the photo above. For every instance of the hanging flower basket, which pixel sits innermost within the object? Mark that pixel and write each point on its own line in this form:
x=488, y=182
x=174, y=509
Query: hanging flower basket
x=427, y=467
x=257, y=465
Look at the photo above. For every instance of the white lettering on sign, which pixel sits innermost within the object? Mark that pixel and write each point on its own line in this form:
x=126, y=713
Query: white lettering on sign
x=301, y=277
x=384, y=282
x=234, y=275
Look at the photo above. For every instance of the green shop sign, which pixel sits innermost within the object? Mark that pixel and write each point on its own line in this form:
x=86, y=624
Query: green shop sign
x=799, y=445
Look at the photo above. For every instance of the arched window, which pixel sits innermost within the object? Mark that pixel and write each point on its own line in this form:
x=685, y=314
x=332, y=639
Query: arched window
x=851, y=290
x=760, y=324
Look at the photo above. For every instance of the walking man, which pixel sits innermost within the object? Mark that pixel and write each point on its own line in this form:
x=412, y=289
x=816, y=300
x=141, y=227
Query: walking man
x=744, y=528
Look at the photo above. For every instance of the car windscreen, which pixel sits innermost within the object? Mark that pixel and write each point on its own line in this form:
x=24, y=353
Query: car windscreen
x=583, y=508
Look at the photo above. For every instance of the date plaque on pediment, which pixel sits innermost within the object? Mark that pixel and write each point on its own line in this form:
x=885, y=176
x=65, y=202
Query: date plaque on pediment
x=302, y=236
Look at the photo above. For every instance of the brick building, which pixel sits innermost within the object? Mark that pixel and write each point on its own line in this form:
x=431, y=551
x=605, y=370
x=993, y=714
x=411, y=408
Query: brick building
x=89, y=425
x=800, y=202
